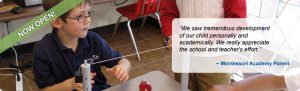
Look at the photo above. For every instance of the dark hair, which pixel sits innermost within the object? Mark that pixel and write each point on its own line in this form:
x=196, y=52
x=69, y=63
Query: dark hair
x=48, y=4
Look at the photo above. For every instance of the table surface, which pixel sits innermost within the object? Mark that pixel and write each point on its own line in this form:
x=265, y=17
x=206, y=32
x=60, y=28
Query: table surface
x=158, y=81
x=34, y=11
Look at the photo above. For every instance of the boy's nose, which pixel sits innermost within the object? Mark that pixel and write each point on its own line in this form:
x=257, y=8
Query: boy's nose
x=87, y=21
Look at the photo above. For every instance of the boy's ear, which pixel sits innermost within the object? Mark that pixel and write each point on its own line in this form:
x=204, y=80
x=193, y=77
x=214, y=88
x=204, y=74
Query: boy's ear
x=57, y=23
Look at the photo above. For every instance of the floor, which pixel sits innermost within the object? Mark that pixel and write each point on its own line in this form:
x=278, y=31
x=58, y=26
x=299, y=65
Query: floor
x=148, y=38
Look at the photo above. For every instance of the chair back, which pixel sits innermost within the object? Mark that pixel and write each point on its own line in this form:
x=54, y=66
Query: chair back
x=146, y=7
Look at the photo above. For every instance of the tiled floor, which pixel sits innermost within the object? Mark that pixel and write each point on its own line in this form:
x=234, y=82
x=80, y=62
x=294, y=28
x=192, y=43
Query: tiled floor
x=147, y=39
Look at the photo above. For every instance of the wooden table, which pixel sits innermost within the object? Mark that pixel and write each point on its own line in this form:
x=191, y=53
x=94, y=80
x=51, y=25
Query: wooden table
x=34, y=11
x=158, y=81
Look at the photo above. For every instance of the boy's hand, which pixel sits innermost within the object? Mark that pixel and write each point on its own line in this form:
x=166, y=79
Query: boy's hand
x=78, y=86
x=120, y=72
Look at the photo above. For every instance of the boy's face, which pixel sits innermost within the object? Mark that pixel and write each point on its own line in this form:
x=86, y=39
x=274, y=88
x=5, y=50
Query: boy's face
x=77, y=22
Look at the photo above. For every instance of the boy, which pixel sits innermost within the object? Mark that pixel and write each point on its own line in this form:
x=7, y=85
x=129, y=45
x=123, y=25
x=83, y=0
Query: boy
x=60, y=53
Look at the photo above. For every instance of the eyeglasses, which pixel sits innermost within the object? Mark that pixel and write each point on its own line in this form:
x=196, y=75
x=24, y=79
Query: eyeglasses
x=82, y=18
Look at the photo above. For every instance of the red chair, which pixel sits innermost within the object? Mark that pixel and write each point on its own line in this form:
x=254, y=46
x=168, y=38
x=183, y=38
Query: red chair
x=141, y=9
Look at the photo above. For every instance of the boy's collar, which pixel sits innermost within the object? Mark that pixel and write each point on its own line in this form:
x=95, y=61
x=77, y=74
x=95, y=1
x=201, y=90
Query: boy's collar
x=84, y=42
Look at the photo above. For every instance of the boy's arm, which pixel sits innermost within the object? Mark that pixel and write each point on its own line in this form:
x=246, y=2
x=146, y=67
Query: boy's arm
x=262, y=82
x=121, y=70
x=44, y=78
x=66, y=85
